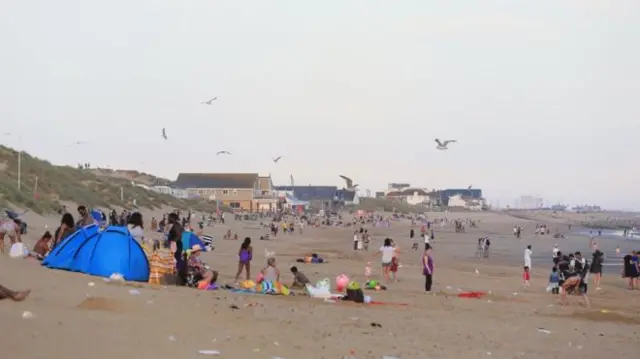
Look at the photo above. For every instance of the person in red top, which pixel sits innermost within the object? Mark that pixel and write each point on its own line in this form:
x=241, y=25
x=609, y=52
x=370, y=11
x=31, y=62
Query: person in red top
x=526, y=276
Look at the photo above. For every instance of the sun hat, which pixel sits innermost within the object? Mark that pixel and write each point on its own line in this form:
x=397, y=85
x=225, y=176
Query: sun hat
x=196, y=247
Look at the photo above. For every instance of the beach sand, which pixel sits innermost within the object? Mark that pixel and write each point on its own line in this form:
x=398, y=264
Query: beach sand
x=73, y=319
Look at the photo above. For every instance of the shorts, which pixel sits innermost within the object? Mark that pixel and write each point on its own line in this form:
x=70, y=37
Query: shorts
x=386, y=264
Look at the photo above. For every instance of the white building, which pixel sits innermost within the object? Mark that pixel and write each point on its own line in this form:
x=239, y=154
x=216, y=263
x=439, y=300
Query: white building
x=468, y=203
x=178, y=193
x=412, y=196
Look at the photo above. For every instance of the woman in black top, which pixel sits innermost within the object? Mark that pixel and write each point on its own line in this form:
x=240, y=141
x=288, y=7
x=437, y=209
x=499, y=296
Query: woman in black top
x=175, y=245
x=630, y=270
x=596, y=268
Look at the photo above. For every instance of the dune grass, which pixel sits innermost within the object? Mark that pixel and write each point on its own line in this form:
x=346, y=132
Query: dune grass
x=64, y=183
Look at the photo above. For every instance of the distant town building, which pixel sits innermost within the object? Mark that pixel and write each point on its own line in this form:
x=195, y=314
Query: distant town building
x=466, y=202
x=585, y=208
x=398, y=186
x=240, y=191
x=380, y=194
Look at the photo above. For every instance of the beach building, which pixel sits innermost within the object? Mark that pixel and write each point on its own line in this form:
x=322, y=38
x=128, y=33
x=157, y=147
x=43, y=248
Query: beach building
x=348, y=197
x=466, y=202
x=472, y=193
x=319, y=197
x=240, y=191
x=412, y=196
x=176, y=192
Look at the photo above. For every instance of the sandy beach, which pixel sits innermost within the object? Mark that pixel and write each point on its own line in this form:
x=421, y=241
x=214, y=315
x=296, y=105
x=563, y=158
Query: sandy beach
x=78, y=316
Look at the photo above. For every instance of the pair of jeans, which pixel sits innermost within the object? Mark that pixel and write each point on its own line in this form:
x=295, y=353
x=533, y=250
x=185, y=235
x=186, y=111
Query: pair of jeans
x=428, y=280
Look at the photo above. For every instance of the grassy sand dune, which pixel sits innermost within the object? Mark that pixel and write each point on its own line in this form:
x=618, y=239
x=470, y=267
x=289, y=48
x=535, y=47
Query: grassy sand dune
x=95, y=188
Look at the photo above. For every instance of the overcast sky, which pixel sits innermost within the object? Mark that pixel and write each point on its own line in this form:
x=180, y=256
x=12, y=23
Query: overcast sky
x=543, y=96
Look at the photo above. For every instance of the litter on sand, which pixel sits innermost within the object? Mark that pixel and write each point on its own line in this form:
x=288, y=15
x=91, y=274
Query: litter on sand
x=209, y=352
x=542, y=330
x=27, y=315
x=134, y=292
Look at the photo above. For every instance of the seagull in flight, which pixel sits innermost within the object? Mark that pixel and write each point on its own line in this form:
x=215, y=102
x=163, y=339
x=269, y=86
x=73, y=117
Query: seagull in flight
x=210, y=102
x=164, y=134
x=223, y=153
x=349, y=181
x=442, y=145
x=275, y=160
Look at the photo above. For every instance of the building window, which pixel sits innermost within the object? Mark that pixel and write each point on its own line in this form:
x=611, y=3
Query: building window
x=225, y=191
x=234, y=205
x=235, y=192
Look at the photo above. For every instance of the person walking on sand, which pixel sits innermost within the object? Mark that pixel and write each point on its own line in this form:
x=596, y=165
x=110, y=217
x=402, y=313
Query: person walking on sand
x=13, y=295
x=387, y=252
x=245, y=254
x=527, y=257
x=427, y=269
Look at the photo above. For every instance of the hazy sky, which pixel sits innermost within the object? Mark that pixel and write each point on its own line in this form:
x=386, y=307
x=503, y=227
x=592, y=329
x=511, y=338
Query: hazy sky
x=543, y=96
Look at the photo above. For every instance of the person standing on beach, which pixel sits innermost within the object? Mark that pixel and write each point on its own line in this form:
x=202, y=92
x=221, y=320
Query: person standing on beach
x=527, y=257
x=427, y=269
x=245, y=255
x=85, y=217
x=388, y=252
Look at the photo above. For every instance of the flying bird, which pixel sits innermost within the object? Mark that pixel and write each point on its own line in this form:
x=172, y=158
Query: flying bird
x=210, y=102
x=443, y=145
x=164, y=134
x=349, y=181
x=275, y=160
x=223, y=153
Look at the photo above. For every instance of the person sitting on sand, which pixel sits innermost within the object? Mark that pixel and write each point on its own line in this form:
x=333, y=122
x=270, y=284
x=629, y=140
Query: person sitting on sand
x=136, y=227
x=312, y=258
x=11, y=229
x=270, y=273
x=204, y=276
x=299, y=279
x=41, y=248
x=15, y=296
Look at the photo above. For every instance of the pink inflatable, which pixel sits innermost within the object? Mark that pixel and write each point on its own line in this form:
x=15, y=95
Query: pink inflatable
x=342, y=281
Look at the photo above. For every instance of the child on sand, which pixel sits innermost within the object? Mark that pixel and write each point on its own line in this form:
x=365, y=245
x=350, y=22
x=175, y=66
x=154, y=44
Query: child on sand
x=245, y=254
x=299, y=279
x=554, y=280
x=367, y=271
x=526, y=276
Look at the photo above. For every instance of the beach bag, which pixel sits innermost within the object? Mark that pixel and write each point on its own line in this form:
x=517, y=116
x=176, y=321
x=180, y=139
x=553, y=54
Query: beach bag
x=18, y=250
x=354, y=293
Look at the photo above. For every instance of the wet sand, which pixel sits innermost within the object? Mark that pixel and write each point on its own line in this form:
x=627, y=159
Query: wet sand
x=74, y=320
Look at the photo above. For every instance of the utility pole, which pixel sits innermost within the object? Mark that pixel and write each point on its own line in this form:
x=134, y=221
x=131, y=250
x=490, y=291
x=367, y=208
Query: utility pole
x=19, y=168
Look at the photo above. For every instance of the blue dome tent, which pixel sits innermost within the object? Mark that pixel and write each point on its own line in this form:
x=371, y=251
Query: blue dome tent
x=114, y=250
x=111, y=251
x=62, y=256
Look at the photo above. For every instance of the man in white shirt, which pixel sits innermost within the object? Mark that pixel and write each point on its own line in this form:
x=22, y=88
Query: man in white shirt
x=555, y=251
x=527, y=257
x=426, y=240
